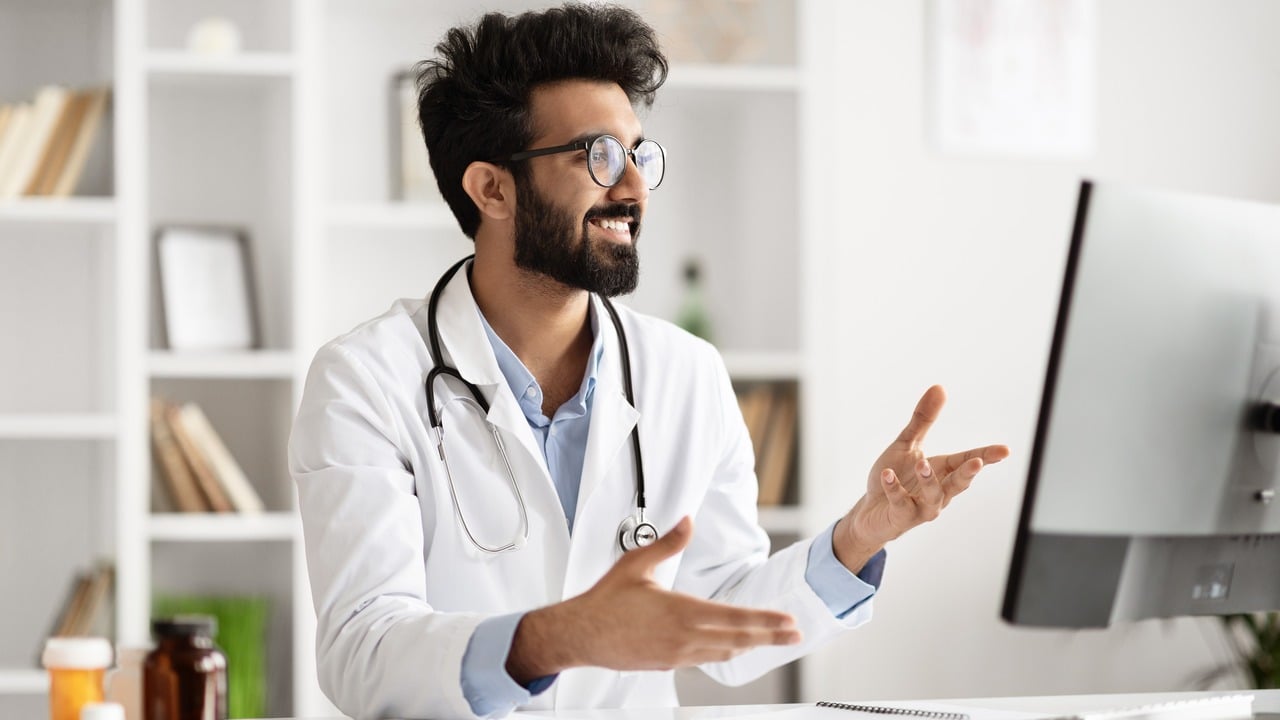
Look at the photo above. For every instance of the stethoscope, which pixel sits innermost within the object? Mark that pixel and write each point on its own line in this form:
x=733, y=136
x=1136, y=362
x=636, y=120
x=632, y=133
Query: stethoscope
x=633, y=532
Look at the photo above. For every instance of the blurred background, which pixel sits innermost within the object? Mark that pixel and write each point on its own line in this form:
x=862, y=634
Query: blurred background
x=863, y=198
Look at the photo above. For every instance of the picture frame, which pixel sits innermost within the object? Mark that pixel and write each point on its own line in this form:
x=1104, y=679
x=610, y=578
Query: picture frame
x=411, y=179
x=206, y=289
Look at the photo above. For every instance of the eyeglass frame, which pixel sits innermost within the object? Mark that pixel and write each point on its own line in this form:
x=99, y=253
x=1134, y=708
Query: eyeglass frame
x=585, y=145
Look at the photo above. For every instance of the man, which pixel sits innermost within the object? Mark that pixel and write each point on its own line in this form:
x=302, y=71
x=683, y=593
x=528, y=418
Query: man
x=463, y=540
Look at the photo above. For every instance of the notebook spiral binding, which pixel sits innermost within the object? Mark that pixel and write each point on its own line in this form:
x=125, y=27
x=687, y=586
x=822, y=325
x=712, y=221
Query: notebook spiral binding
x=896, y=711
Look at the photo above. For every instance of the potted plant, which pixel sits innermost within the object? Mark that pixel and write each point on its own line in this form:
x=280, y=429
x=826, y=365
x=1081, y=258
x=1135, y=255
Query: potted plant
x=1254, y=642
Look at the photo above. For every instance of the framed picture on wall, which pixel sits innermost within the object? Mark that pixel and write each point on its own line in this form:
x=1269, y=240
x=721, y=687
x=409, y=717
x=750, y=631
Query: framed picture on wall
x=411, y=178
x=207, y=300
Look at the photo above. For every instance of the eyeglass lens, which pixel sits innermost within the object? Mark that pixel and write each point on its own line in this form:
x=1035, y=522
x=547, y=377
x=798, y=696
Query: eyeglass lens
x=607, y=160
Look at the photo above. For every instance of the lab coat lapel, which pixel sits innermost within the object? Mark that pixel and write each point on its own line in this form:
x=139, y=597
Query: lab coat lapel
x=612, y=419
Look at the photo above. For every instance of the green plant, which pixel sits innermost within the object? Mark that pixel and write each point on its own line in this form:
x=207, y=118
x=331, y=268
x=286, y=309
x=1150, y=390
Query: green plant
x=1254, y=640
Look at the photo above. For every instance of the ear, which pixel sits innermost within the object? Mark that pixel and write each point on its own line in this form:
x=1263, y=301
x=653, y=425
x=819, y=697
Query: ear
x=491, y=188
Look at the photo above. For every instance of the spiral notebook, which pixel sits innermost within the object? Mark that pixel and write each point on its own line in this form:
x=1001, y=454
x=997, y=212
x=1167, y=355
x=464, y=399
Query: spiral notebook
x=1220, y=707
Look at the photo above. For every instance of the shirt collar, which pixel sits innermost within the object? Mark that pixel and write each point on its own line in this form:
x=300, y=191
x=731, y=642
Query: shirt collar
x=525, y=387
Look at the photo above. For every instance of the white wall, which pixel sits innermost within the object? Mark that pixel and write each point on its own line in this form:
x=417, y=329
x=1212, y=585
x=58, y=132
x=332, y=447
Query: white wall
x=941, y=269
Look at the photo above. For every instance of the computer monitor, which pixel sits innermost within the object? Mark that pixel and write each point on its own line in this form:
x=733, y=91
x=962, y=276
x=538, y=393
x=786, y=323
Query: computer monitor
x=1154, y=471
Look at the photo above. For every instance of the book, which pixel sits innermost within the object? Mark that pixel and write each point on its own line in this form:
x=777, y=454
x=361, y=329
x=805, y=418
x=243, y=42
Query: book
x=206, y=477
x=59, y=146
x=83, y=142
x=179, y=479
x=72, y=605
x=773, y=468
x=14, y=136
x=756, y=403
x=45, y=111
x=230, y=476
x=85, y=611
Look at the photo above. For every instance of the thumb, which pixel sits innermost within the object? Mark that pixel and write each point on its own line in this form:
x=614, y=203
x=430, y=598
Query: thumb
x=676, y=539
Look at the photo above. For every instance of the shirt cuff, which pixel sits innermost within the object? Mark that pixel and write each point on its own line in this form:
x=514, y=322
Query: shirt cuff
x=485, y=682
x=841, y=590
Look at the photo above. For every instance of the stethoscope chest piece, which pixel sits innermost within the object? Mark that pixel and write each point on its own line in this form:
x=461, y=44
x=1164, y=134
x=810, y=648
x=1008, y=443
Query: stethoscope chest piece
x=635, y=532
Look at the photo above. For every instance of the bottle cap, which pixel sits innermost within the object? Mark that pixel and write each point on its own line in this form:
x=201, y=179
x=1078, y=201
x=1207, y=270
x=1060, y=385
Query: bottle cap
x=185, y=625
x=102, y=711
x=77, y=653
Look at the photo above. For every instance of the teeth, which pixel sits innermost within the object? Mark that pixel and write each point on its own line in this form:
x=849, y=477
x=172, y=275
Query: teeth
x=615, y=225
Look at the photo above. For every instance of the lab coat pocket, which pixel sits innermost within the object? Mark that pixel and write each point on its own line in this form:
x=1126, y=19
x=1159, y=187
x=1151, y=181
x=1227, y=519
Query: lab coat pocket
x=489, y=511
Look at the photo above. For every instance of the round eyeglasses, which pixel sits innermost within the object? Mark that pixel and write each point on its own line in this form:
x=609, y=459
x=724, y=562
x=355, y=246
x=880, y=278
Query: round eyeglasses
x=607, y=159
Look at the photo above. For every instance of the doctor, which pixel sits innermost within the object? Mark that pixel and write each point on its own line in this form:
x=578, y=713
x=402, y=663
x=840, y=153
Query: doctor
x=516, y=495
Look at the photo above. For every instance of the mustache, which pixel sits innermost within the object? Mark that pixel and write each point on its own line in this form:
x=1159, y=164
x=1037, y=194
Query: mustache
x=614, y=210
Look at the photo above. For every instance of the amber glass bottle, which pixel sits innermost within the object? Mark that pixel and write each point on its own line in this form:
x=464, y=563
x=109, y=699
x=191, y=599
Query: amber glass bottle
x=185, y=676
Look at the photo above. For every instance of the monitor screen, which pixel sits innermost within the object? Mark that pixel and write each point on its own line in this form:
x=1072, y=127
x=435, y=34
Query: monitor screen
x=1152, y=478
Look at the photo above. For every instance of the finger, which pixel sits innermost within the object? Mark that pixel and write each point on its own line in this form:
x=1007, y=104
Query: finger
x=960, y=480
x=926, y=412
x=893, y=490
x=947, y=464
x=675, y=540
x=742, y=638
x=929, y=487
x=700, y=613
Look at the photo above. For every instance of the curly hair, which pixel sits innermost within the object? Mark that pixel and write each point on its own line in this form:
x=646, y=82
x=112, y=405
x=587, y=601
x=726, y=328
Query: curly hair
x=473, y=99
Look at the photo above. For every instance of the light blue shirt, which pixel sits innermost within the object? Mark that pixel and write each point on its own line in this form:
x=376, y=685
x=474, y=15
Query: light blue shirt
x=563, y=439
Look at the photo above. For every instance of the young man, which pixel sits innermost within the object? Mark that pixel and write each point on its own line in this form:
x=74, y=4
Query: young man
x=513, y=496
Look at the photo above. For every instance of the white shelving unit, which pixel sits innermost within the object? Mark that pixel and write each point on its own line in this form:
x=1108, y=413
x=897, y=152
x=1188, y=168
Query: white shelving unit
x=289, y=140
x=69, y=211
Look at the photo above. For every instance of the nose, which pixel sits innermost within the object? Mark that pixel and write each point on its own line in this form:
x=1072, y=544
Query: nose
x=631, y=187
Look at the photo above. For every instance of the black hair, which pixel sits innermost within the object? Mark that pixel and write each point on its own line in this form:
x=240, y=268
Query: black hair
x=473, y=99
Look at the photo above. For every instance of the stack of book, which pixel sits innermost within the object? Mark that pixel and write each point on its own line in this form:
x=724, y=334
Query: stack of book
x=198, y=472
x=45, y=143
x=770, y=412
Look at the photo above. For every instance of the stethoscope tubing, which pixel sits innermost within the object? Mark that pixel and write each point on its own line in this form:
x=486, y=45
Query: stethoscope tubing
x=439, y=368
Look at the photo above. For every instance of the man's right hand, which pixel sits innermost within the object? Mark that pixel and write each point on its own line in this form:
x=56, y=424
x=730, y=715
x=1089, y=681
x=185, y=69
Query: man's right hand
x=629, y=622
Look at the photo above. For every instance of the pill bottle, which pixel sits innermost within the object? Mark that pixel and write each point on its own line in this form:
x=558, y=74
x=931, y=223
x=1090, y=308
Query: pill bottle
x=185, y=676
x=76, y=666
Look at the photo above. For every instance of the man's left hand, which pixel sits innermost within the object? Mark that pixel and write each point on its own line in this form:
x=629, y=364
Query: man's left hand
x=906, y=488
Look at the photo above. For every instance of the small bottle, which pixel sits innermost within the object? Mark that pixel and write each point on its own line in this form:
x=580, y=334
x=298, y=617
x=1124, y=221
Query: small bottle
x=693, y=310
x=76, y=666
x=124, y=684
x=185, y=676
x=102, y=711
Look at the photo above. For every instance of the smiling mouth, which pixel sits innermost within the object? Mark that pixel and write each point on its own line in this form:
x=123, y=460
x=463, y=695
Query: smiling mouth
x=619, y=228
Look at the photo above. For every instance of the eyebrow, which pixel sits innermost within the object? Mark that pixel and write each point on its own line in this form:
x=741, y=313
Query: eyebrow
x=588, y=136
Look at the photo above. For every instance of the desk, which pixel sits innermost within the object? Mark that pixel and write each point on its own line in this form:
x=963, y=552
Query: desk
x=1266, y=705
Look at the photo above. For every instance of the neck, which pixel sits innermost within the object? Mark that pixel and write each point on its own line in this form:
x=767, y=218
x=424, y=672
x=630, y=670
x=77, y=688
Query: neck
x=544, y=322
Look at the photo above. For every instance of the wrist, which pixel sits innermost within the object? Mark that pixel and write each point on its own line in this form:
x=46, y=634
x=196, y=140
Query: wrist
x=542, y=645
x=850, y=547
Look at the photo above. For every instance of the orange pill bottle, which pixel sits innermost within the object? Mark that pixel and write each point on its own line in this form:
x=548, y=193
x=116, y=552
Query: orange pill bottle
x=76, y=666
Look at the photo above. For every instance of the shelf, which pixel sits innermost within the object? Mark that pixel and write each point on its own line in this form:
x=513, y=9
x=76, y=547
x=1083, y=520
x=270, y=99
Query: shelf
x=394, y=216
x=57, y=426
x=783, y=519
x=762, y=365
x=730, y=77
x=176, y=63
x=250, y=365
x=223, y=527
x=74, y=210
x=23, y=682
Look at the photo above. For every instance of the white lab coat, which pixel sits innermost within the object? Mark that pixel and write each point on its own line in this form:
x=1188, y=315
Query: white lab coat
x=398, y=588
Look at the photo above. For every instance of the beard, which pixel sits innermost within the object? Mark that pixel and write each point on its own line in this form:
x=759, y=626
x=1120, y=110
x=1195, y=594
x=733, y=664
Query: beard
x=549, y=243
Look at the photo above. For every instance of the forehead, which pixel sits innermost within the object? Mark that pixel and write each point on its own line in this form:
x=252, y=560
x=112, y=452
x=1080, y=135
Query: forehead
x=564, y=110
